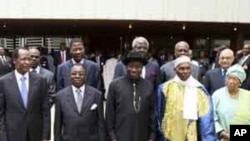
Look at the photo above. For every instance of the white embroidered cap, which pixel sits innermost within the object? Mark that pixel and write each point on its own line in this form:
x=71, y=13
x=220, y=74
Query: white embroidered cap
x=181, y=59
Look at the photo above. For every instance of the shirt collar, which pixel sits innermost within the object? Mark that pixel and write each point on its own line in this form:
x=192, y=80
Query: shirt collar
x=19, y=76
x=82, y=88
x=74, y=62
x=38, y=68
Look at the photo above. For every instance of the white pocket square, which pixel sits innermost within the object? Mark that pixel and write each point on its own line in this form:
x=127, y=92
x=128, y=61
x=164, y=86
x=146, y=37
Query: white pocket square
x=93, y=107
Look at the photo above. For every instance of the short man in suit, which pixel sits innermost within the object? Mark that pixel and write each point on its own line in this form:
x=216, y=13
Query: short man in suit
x=215, y=78
x=181, y=48
x=79, y=110
x=150, y=70
x=245, y=63
x=24, y=104
x=77, y=51
x=5, y=62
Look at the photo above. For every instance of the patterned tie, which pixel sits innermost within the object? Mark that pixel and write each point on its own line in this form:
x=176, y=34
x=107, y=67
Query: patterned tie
x=24, y=91
x=79, y=99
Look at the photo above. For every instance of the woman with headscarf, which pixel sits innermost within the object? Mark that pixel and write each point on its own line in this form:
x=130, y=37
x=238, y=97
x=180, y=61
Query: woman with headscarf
x=231, y=103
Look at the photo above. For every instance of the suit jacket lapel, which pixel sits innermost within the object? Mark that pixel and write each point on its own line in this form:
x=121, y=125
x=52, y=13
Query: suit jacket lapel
x=86, y=100
x=16, y=90
x=41, y=71
x=246, y=61
x=71, y=99
x=32, y=85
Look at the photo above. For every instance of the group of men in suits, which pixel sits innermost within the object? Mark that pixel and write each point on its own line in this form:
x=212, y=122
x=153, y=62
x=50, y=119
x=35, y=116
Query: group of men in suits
x=28, y=92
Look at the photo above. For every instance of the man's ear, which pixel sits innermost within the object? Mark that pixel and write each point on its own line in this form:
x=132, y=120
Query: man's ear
x=14, y=62
x=174, y=69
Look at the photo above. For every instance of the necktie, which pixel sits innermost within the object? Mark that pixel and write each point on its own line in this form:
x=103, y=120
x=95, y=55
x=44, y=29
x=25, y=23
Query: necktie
x=24, y=91
x=224, y=74
x=62, y=57
x=34, y=70
x=136, y=99
x=79, y=99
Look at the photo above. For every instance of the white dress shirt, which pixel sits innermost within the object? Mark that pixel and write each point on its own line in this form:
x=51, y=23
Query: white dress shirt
x=19, y=76
x=82, y=88
x=38, y=68
x=74, y=62
x=143, y=72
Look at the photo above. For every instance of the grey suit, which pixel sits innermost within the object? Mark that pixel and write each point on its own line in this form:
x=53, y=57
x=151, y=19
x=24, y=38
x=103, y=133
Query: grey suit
x=50, y=79
x=169, y=73
x=88, y=125
x=18, y=123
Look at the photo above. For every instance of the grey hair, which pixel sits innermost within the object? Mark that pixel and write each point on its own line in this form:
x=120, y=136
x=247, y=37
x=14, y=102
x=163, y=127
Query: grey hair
x=138, y=39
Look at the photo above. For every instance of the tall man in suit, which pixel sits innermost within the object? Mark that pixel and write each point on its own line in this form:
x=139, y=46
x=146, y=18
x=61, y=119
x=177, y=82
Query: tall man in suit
x=245, y=63
x=150, y=70
x=5, y=62
x=79, y=110
x=181, y=48
x=215, y=78
x=35, y=67
x=77, y=51
x=24, y=107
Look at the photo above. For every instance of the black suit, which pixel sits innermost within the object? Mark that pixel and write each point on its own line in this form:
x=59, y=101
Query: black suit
x=18, y=123
x=6, y=66
x=58, y=59
x=214, y=80
x=88, y=125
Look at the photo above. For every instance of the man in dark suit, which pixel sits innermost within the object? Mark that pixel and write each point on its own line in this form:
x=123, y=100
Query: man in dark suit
x=150, y=70
x=5, y=62
x=24, y=104
x=245, y=63
x=36, y=68
x=79, y=110
x=77, y=51
x=181, y=48
x=62, y=55
x=215, y=78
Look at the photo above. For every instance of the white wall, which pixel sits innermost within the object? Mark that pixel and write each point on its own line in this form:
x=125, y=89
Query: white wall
x=168, y=10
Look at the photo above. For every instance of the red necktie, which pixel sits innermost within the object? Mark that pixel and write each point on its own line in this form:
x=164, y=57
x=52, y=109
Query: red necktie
x=62, y=56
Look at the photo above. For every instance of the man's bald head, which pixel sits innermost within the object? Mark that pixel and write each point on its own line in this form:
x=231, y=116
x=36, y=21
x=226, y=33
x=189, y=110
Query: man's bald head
x=181, y=48
x=226, y=58
x=246, y=49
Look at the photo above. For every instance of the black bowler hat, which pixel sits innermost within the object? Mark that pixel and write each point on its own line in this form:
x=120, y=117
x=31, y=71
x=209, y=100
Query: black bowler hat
x=134, y=57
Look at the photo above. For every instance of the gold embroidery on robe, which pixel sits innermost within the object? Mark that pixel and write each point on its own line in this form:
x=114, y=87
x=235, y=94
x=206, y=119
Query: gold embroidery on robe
x=174, y=126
